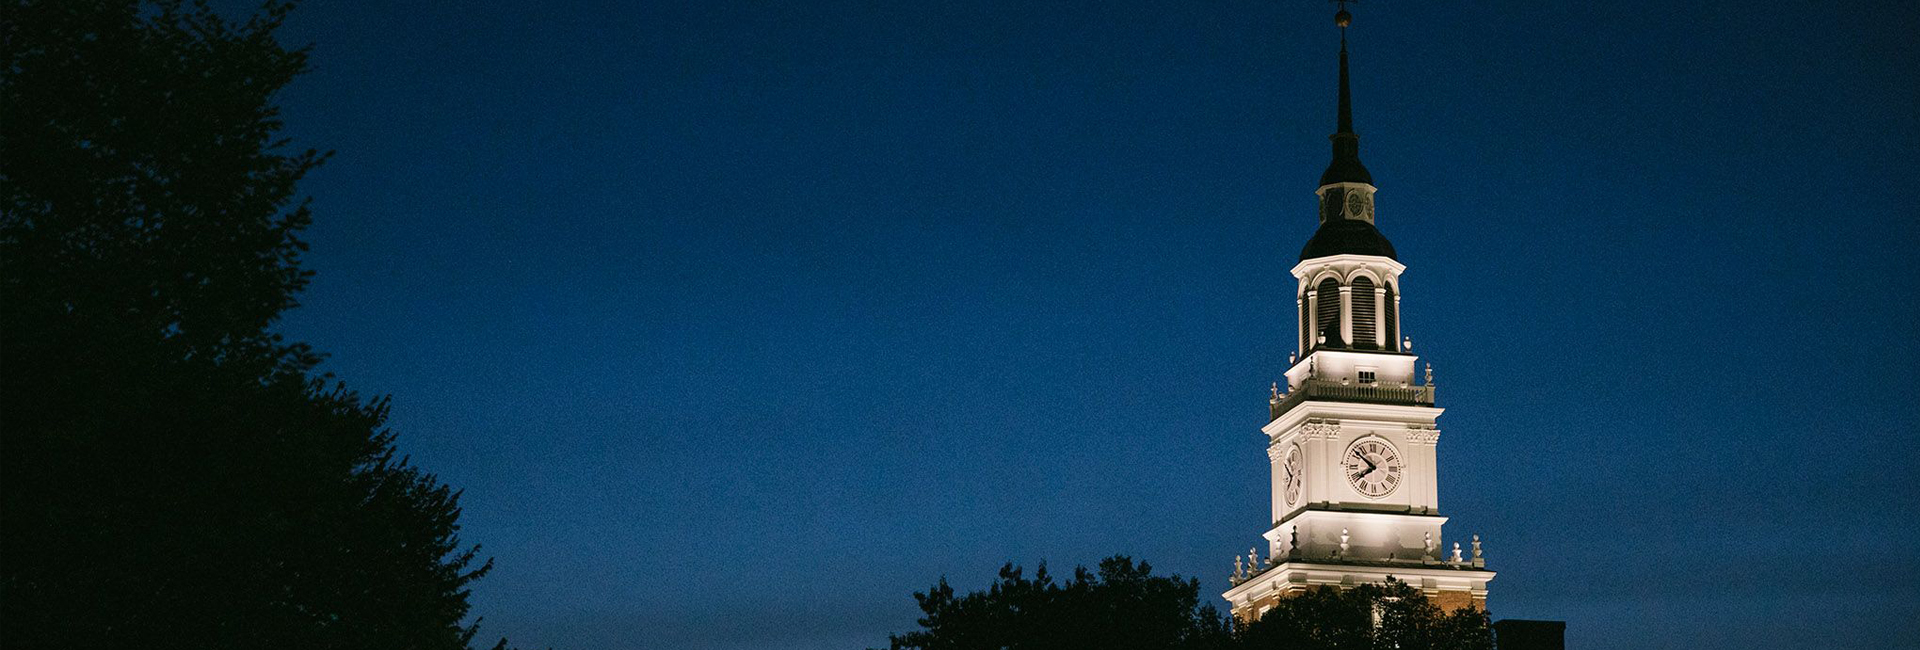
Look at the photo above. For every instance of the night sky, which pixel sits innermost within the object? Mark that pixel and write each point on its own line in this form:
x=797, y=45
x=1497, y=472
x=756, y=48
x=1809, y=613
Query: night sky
x=739, y=323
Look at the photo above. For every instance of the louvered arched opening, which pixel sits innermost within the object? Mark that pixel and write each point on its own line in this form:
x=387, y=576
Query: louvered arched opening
x=1392, y=320
x=1327, y=314
x=1363, y=313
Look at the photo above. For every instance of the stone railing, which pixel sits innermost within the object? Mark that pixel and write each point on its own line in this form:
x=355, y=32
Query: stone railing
x=1252, y=566
x=1333, y=391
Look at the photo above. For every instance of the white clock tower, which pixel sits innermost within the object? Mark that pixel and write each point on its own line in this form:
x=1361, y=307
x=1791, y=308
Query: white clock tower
x=1352, y=439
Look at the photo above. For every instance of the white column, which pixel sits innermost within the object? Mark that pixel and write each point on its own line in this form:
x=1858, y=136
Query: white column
x=1279, y=496
x=1313, y=320
x=1423, y=497
x=1321, y=469
x=1380, y=317
x=1346, y=314
x=1433, y=471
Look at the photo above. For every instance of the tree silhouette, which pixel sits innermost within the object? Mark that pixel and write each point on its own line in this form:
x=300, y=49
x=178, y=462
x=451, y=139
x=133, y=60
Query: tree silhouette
x=1124, y=606
x=1386, y=616
x=175, y=475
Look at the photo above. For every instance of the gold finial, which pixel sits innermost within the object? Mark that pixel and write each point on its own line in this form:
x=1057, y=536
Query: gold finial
x=1342, y=18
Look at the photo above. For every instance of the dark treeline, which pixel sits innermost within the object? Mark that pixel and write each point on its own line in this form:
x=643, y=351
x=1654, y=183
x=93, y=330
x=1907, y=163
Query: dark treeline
x=1123, y=606
x=175, y=474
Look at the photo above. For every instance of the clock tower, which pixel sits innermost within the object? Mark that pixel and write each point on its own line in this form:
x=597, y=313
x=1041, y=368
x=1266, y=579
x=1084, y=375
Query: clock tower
x=1352, y=438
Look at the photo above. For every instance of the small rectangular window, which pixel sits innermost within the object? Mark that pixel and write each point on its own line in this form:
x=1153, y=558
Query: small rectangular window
x=1366, y=376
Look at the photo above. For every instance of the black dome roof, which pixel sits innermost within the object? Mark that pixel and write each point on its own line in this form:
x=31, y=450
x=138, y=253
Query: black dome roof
x=1347, y=237
x=1346, y=168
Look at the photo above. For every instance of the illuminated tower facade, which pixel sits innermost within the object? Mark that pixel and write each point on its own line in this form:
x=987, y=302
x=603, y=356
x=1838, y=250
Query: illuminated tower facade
x=1352, y=440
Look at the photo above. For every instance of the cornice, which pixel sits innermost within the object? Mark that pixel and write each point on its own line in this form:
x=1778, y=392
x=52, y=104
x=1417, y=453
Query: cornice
x=1358, y=413
x=1345, y=262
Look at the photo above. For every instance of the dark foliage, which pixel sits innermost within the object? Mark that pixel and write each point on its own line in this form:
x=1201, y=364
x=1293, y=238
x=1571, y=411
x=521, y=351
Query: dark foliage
x=1121, y=607
x=174, y=474
x=1367, y=617
x=1125, y=606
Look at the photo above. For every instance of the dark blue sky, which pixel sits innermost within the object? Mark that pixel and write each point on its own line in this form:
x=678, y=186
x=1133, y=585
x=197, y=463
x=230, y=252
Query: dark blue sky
x=738, y=323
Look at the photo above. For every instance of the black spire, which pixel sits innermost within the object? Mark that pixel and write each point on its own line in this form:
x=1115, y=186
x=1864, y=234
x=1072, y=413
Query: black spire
x=1346, y=167
x=1346, y=94
x=1340, y=233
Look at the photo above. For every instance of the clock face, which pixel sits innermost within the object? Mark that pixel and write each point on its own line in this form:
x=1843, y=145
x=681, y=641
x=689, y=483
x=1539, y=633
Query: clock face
x=1290, y=475
x=1359, y=205
x=1373, y=467
x=1331, y=204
